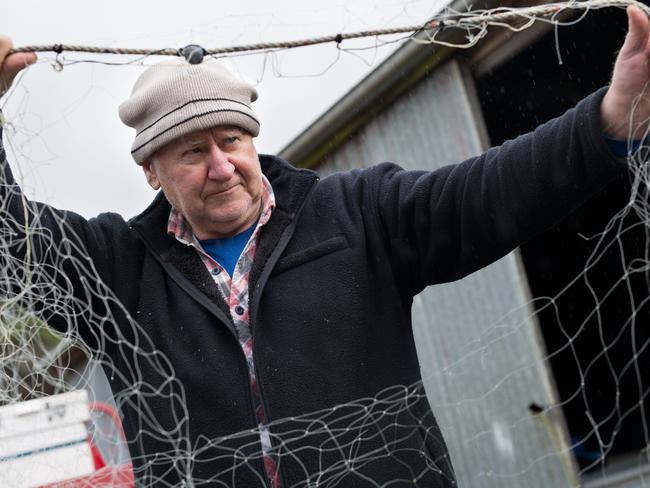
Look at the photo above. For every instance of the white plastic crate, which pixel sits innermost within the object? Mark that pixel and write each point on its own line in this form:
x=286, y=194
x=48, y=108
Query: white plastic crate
x=45, y=440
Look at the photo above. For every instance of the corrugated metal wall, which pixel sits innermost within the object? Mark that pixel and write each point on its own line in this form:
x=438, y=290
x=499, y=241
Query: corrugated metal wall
x=481, y=358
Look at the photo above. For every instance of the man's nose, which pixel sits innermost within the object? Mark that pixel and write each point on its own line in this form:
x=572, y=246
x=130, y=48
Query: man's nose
x=219, y=167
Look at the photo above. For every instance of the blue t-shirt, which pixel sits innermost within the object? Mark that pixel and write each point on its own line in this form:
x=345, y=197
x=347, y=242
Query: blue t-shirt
x=620, y=148
x=226, y=251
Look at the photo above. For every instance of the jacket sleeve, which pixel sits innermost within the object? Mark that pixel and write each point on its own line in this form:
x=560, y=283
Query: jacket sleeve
x=55, y=263
x=443, y=225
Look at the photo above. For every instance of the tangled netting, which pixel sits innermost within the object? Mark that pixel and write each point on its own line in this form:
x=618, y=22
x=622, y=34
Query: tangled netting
x=57, y=325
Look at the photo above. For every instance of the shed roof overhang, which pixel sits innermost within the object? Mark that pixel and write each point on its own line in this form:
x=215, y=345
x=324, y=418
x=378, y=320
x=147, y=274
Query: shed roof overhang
x=396, y=75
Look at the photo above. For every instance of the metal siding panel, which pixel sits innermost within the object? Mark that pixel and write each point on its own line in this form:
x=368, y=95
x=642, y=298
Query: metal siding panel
x=477, y=342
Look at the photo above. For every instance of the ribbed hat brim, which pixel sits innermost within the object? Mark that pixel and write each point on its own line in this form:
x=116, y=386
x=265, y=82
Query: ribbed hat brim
x=192, y=116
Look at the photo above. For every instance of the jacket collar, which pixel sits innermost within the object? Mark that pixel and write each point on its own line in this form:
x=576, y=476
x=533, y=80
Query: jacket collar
x=291, y=185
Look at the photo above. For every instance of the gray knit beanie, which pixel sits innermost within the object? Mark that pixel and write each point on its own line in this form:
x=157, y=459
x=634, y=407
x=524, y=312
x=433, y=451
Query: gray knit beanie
x=173, y=98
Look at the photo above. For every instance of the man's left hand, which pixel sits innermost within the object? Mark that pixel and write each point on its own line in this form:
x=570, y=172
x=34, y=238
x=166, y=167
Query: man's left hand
x=625, y=109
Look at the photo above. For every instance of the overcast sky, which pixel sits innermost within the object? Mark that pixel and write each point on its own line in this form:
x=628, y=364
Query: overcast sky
x=65, y=139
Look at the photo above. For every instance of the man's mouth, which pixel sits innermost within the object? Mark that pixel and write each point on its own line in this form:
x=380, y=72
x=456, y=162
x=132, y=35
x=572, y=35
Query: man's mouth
x=223, y=192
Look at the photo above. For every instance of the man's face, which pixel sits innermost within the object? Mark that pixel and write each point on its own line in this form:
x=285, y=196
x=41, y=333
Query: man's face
x=213, y=178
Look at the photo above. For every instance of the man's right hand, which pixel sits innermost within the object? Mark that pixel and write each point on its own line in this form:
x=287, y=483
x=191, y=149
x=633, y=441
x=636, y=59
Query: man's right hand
x=10, y=65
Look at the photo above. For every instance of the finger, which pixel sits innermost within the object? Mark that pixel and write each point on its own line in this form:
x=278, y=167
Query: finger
x=16, y=62
x=638, y=30
x=11, y=66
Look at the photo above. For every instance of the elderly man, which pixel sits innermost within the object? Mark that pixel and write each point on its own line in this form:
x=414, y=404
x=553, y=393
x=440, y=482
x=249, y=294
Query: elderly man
x=281, y=303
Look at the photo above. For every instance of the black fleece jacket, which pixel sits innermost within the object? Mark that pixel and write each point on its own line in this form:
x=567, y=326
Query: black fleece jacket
x=331, y=292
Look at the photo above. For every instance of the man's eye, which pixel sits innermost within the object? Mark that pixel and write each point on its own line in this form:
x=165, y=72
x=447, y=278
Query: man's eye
x=232, y=139
x=191, y=151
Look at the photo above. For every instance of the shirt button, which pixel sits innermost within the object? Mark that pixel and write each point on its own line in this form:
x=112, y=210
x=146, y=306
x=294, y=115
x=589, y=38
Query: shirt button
x=216, y=271
x=239, y=310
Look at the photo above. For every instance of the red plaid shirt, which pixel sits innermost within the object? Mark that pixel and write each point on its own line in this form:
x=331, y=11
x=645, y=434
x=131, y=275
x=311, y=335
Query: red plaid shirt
x=234, y=290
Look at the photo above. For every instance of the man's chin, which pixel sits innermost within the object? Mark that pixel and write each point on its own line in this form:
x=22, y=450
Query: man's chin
x=227, y=225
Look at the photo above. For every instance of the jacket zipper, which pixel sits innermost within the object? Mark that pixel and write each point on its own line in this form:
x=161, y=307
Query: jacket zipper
x=181, y=280
x=286, y=236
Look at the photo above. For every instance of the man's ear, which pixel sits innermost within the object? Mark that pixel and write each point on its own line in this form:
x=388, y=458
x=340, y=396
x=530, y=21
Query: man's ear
x=150, y=174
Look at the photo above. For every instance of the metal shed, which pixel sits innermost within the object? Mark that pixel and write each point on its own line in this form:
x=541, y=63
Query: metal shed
x=484, y=360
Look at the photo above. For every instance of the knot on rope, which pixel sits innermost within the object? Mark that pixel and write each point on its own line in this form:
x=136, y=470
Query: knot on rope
x=193, y=53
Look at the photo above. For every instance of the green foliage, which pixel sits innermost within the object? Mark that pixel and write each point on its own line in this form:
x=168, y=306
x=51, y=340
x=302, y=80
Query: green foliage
x=35, y=360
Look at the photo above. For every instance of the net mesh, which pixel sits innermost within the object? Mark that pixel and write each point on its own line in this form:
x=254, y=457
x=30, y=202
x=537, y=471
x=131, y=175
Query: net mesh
x=40, y=251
